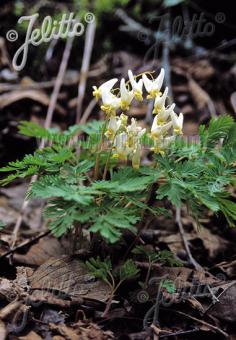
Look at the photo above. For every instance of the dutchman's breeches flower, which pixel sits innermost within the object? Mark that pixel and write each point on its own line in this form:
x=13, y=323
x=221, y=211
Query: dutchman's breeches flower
x=126, y=96
x=159, y=104
x=127, y=138
x=153, y=86
x=136, y=86
x=177, y=122
x=105, y=87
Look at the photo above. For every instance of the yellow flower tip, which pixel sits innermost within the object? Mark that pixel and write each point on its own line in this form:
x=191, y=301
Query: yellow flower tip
x=109, y=134
x=108, y=109
x=153, y=135
x=158, y=150
x=157, y=109
x=119, y=156
x=124, y=119
x=135, y=165
x=160, y=122
x=153, y=94
x=96, y=93
x=138, y=95
x=124, y=105
x=178, y=132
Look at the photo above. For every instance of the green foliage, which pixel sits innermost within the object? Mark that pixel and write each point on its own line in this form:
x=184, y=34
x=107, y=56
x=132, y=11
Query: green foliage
x=199, y=174
x=164, y=257
x=99, y=7
x=193, y=173
x=229, y=210
x=172, y=3
x=100, y=269
x=128, y=270
x=103, y=270
x=218, y=128
x=112, y=221
x=169, y=285
x=32, y=129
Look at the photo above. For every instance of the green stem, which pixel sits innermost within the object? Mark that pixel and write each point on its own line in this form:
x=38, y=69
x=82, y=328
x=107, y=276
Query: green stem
x=108, y=159
x=100, y=149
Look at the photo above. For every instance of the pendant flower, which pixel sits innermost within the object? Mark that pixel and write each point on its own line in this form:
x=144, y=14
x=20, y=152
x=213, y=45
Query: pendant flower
x=162, y=143
x=126, y=96
x=163, y=116
x=135, y=132
x=177, y=122
x=128, y=144
x=110, y=103
x=159, y=130
x=159, y=104
x=113, y=126
x=126, y=140
x=153, y=86
x=136, y=86
x=120, y=146
x=136, y=157
x=107, y=86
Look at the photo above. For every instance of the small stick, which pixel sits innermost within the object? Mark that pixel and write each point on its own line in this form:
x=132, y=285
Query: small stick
x=48, y=120
x=189, y=331
x=25, y=243
x=89, y=40
x=202, y=322
x=196, y=265
x=88, y=111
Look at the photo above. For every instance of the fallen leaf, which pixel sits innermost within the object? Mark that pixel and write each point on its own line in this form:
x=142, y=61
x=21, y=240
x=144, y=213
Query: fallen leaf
x=40, y=252
x=9, y=98
x=82, y=330
x=31, y=336
x=225, y=309
x=64, y=280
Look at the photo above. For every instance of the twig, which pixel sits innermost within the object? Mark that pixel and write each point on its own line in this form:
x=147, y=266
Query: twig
x=189, y=331
x=89, y=40
x=202, y=322
x=48, y=120
x=25, y=243
x=155, y=321
x=58, y=83
x=88, y=111
x=132, y=25
x=165, y=56
x=196, y=265
x=9, y=309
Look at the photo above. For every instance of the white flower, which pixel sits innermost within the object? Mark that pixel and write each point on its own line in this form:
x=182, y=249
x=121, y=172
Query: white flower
x=136, y=157
x=153, y=86
x=136, y=86
x=110, y=103
x=113, y=126
x=162, y=143
x=159, y=130
x=121, y=149
x=124, y=119
x=177, y=122
x=127, y=144
x=162, y=116
x=107, y=86
x=135, y=129
x=126, y=96
x=159, y=104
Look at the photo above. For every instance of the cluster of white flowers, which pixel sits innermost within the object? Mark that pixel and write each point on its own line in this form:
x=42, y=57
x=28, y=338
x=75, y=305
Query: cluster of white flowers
x=126, y=139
